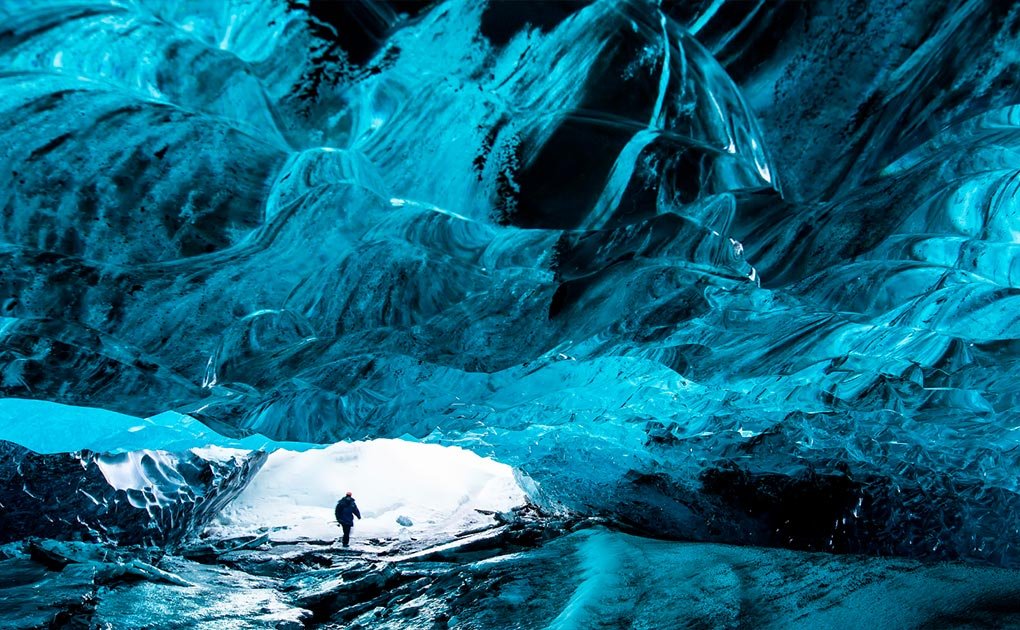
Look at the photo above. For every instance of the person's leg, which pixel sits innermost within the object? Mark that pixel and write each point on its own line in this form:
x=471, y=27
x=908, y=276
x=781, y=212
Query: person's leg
x=347, y=534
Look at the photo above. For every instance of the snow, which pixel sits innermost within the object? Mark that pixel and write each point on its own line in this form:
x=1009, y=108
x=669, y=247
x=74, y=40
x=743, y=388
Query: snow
x=438, y=488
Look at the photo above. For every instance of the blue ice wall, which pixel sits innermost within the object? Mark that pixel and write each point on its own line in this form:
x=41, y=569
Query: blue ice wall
x=727, y=271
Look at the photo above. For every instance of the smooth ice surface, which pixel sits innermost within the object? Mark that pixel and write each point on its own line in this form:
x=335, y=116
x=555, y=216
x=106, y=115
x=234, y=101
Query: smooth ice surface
x=740, y=271
x=438, y=489
x=46, y=427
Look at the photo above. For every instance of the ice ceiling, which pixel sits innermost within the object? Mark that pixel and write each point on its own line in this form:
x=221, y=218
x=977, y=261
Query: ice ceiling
x=742, y=272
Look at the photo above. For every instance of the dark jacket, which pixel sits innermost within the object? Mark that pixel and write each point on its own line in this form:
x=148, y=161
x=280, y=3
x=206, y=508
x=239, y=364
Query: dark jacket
x=346, y=510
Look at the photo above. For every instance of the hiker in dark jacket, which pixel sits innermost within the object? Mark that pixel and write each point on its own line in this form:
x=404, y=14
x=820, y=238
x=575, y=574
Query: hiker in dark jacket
x=346, y=510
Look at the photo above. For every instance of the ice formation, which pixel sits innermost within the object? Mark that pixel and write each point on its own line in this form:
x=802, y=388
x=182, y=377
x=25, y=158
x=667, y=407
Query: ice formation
x=741, y=272
x=141, y=497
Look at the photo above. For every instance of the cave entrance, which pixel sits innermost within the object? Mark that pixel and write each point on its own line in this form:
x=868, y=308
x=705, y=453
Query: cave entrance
x=403, y=490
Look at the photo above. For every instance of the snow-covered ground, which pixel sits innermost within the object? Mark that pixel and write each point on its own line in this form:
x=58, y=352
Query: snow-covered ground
x=437, y=488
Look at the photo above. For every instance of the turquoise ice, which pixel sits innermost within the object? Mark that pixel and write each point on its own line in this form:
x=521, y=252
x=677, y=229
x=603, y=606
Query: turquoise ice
x=684, y=267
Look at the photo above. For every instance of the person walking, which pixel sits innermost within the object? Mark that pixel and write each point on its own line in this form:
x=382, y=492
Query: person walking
x=346, y=510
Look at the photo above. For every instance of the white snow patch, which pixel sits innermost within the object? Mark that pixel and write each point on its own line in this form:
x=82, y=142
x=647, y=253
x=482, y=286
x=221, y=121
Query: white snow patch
x=437, y=487
x=220, y=453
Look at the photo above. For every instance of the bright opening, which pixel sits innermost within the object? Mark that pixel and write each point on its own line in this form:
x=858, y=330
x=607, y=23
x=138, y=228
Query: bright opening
x=403, y=490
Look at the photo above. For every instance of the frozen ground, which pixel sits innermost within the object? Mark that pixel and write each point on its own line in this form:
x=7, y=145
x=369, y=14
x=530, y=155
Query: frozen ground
x=439, y=489
x=526, y=573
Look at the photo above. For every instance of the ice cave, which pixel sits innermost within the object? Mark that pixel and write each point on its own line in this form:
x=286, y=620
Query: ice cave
x=608, y=313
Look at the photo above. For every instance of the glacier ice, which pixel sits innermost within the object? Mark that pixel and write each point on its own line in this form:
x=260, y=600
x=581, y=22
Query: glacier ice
x=738, y=272
x=139, y=497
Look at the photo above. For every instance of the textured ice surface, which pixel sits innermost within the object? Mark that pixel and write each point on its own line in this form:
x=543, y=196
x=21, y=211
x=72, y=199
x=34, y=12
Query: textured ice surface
x=139, y=497
x=729, y=271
